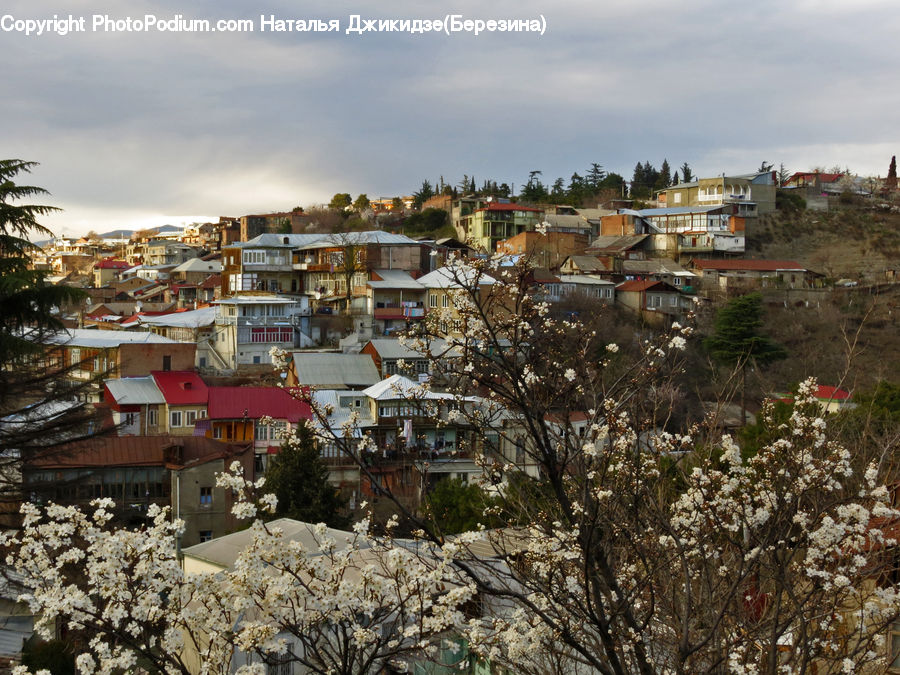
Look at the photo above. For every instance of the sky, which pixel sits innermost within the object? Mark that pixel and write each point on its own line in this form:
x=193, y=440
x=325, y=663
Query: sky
x=136, y=129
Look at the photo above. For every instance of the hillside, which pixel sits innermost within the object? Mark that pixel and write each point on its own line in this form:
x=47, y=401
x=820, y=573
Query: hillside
x=858, y=242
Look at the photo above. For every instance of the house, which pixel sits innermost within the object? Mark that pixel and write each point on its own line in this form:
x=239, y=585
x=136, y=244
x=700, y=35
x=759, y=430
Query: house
x=741, y=275
x=442, y=284
x=830, y=399
x=194, y=326
x=196, y=270
x=656, y=301
x=483, y=223
x=545, y=250
x=659, y=269
x=136, y=471
x=752, y=193
x=394, y=299
x=259, y=415
x=329, y=370
x=583, y=264
x=581, y=286
x=337, y=267
x=137, y=406
x=107, y=270
x=87, y=354
x=681, y=230
x=186, y=400
x=248, y=326
x=387, y=353
x=161, y=252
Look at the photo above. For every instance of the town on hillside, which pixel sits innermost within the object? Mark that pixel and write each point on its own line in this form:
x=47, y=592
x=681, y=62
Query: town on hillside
x=366, y=329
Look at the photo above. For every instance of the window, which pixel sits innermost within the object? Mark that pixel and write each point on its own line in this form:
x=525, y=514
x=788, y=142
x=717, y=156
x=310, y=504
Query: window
x=457, y=326
x=201, y=414
x=390, y=367
x=445, y=300
x=75, y=356
x=217, y=433
x=254, y=257
x=673, y=300
x=676, y=281
x=205, y=496
x=153, y=417
x=432, y=300
x=205, y=535
x=167, y=363
x=894, y=642
x=190, y=418
x=130, y=419
x=175, y=418
x=257, y=359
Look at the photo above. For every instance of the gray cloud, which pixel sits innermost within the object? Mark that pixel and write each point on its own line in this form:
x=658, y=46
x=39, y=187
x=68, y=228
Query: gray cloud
x=129, y=126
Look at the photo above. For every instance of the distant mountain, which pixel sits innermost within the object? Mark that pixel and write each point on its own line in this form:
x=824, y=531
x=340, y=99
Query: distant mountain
x=126, y=234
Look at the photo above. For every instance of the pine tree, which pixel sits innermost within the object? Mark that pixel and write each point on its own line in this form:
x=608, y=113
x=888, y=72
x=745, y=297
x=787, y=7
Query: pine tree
x=298, y=477
x=36, y=413
x=891, y=182
x=665, y=178
x=686, y=175
x=736, y=341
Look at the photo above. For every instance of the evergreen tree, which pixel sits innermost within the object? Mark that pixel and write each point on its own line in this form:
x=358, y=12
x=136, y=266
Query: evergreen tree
x=424, y=193
x=298, y=477
x=736, y=341
x=686, y=175
x=665, y=179
x=595, y=176
x=783, y=175
x=558, y=191
x=576, y=189
x=37, y=415
x=675, y=178
x=891, y=182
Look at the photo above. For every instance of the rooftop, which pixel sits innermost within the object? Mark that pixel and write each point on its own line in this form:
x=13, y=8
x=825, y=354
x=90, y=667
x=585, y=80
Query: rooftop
x=256, y=402
x=181, y=387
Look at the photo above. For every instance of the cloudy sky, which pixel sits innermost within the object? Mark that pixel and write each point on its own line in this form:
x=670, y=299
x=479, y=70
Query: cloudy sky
x=134, y=129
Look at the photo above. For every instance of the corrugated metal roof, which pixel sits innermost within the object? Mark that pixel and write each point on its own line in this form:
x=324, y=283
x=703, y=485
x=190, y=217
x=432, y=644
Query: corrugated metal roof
x=84, y=337
x=255, y=402
x=135, y=391
x=224, y=551
x=323, y=369
x=657, y=266
x=181, y=387
x=399, y=387
x=389, y=348
x=450, y=277
x=109, y=451
x=584, y=279
x=199, y=265
x=397, y=279
x=196, y=318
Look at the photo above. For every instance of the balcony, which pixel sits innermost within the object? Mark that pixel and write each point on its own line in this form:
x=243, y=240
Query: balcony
x=393, y=310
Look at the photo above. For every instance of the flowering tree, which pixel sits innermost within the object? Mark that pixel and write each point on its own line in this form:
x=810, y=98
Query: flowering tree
x=642, y=548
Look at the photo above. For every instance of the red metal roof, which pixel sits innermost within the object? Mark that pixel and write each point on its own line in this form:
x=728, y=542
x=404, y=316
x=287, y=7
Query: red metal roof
x=831, y=393
x=497, y=206
x=181, y=387
x=748, y=265
x=254, y=402
x=645, y=285
x=110, y=264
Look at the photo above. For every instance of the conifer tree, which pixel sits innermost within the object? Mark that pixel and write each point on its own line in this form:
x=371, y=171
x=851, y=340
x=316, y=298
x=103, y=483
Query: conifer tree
x=298, y=477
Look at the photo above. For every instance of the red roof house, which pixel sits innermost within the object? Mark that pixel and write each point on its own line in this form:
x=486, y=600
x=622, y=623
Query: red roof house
x=181, y=387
